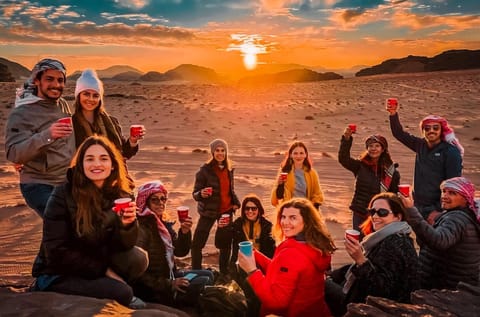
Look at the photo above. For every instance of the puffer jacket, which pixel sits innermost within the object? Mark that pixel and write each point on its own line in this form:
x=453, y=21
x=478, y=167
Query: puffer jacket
x=367, y=184
x=155, y=284
x=449, y=250
x=206, y=177
x=63, y=252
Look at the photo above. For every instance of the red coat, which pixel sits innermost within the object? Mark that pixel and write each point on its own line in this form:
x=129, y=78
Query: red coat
x=294, y=281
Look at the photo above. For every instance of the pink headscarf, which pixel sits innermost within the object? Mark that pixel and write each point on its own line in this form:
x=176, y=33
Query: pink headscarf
x=465, y=188
x=148, y=189
x=447, y=132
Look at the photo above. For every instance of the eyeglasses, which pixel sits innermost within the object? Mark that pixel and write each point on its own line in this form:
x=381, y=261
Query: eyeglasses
x=254, y=208
x=156, y=200
x=431, y=127
x=382, y=212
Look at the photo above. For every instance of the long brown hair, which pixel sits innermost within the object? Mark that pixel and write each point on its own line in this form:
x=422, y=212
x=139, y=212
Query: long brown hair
x=315, y=230
x=287, y=162
x=86, y=194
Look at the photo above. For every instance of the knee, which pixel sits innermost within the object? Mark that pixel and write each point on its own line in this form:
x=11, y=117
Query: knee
x=122, y=294
x=140, y=261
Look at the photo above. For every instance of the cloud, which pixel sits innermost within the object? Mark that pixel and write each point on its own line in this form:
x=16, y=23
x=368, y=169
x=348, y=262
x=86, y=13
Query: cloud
x=133, y=4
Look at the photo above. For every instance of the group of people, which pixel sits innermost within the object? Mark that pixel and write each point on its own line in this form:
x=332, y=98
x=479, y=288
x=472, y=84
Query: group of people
x=71, y=174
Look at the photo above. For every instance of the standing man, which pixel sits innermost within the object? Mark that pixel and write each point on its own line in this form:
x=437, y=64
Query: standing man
x=439, y=157
x=34, y=138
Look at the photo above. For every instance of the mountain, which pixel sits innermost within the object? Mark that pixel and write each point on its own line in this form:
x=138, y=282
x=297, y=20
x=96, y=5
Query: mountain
x=152, y=76
x=18, y=71
x=290, y=76
x=109, y=72
x=192, y=73
x=127, y=76
x=5, y=75
x=448, y=60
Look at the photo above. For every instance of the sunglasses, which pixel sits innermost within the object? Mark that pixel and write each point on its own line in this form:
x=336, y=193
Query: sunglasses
x=382, y=212
x=431, y=127
x=254, y=208
x=156, y=200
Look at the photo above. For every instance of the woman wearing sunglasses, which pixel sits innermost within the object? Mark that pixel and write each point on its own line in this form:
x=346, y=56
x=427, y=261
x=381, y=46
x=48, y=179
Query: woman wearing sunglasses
x=251, y=226
x=162, y=282
x=385, y=262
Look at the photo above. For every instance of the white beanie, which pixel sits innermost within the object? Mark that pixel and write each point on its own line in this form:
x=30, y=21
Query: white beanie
x=89, y=80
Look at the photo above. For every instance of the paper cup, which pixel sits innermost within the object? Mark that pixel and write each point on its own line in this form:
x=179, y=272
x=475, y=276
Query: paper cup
x=209, y=190
x=224, y=220
x=246, y=247
x=391, y=103
x=352, y=127
x=136, y=129
x=404, y=189
x=121, y=203
x=66, y=120
x=182, y=212
x=283, y=176
x=355, y=234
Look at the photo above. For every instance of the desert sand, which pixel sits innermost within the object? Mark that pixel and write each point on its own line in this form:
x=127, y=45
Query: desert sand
x=258, y=123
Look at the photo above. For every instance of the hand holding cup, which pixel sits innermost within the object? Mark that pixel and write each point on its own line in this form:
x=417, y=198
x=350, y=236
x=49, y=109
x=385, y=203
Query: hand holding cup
x=61, y=128
x=137, y=132
x=391, y=104
x=126, y=209
x=206, y=192
x=282, y=177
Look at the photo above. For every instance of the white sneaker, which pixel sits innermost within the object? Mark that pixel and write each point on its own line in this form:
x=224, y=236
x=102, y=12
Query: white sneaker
x=137, y=303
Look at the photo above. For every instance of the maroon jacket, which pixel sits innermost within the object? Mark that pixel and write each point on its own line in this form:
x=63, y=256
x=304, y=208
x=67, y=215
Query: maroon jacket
x=294, y=280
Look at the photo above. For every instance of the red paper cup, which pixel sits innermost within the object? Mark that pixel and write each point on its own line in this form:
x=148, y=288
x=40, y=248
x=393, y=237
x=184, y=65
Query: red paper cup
x=121, y=203
x=136, y=129
x=182, y=212
x=391, y=103
x=209, y=190
x=404, y=189
x=352, y=127
x=66, y=120
x=283, y=176
x=224, y=220
x=355, y=234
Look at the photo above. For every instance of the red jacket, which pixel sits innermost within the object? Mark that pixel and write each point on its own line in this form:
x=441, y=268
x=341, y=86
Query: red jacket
x=294, y=281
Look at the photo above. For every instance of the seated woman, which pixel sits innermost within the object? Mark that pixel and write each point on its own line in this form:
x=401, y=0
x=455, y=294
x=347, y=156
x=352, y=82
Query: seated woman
x=162, y=282
x=87, y=249
x=251, y=226
x=450, y=248
x=385, y=261
x=292, y=282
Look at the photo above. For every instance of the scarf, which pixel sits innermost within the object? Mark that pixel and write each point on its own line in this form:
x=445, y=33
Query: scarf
x=448, y=134
x=252, y=230
x=27, y=94
x=370, y=241
x=102, y=125
x=465, y=188
x=387, y=178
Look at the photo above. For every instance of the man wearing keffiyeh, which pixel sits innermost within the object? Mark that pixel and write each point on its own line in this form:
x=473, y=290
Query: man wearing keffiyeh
x=34, y=139
x=450, y=249
x=438, y=157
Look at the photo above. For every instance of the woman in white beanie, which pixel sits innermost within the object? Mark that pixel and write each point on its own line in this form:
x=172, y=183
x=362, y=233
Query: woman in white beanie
x=91, y=117
x=217, y=201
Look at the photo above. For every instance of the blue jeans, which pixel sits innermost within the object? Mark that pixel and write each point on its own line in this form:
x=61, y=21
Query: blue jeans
x=36, y=196
x=196, y=286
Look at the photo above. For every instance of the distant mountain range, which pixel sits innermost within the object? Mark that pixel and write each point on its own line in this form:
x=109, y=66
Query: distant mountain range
x=271, y=73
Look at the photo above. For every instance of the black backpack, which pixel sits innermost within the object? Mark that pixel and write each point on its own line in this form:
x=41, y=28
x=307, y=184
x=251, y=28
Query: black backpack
x=222, y=301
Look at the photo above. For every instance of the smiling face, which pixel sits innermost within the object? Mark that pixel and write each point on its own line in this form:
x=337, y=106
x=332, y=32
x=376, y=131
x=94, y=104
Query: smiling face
x=219, y=154
x=97, y=164
x=374, y=150
x=298, y=155
x=251, y=211
x=51, y=84
x=432, y=132
x=451, y=199
x=291, y=222
x=380, y=222
x=157, y=203
x=89, y=100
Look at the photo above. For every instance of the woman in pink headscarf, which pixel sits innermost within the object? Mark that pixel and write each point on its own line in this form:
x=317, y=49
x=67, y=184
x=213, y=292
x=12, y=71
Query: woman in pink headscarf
x=450, y=249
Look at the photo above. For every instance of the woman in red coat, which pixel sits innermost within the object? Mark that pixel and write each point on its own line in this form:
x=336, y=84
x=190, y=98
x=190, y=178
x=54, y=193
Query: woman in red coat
x=292, y=282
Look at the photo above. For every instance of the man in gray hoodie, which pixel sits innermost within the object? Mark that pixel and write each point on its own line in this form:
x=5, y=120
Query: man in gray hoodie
x=34, y=139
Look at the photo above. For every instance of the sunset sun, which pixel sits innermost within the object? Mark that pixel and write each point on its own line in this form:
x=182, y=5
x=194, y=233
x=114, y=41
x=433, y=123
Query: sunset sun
x=249, y=47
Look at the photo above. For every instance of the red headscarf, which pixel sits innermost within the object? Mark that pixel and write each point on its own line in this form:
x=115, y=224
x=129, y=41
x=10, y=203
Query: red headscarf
x=447, y=132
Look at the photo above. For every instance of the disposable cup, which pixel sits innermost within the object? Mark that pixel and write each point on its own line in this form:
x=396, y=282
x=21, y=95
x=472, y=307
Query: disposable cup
x=121, y=203
x=404, y=189
x=224, y=220
x=355, y=234
x=283, y=176
x=209, y=190
x=66, y=120
x=353, y=127
x=246, y=247
x=136, y=129
x=391, y=103
x=182, y=212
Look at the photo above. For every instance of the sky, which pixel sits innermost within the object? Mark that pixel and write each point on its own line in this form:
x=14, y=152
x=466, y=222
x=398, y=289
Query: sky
x=233, y=36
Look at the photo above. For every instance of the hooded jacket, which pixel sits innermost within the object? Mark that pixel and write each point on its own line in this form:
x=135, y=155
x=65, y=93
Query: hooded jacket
x=294, y=280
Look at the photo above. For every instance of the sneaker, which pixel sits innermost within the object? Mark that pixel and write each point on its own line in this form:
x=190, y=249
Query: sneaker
x=137, y=303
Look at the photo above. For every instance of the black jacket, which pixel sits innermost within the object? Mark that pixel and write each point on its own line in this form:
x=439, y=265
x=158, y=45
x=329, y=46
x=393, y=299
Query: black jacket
x=63, y=252
x=206, y=177
x=367, y=184
x=267, y=244
x=155, y=284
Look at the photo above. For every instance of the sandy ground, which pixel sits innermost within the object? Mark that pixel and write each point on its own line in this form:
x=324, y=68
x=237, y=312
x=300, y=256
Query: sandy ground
x=258, y=124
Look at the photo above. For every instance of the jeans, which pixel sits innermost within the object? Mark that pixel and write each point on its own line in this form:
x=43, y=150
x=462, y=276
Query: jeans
x=196, y=286
x=36, y=196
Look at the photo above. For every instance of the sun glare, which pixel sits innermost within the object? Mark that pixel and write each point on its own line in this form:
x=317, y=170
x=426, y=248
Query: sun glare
x=249, y=47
